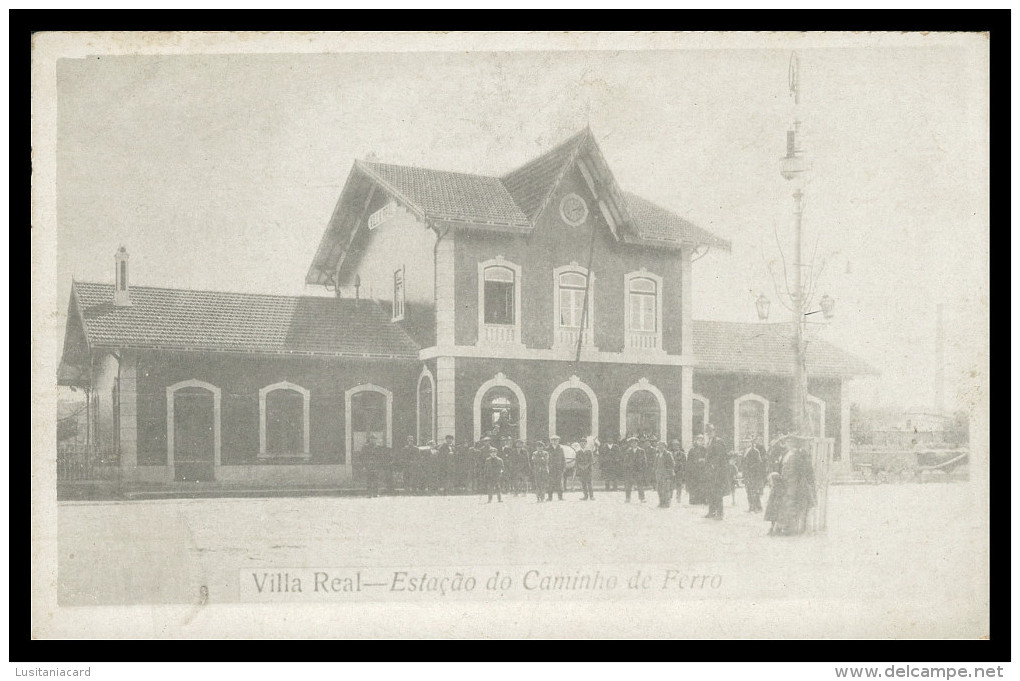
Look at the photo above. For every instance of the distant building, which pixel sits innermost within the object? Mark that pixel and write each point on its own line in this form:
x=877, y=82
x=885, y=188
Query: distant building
x=546, y=300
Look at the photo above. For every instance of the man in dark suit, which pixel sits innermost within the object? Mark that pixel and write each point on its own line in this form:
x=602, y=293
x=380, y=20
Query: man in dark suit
x=716, y=473
x=584, y=463
x=754, y=475
x=492, y=470
x=557, y=466
x=679, y=466
x=635, y=467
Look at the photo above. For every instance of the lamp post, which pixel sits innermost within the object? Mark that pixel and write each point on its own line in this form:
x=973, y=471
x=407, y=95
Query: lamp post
x=793, y=167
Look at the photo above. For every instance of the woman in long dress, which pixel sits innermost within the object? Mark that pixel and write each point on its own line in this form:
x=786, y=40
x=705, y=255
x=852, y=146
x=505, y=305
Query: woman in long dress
x=793, y=491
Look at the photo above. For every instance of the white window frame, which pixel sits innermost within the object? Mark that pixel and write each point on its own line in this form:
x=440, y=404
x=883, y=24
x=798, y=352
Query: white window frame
x=562, y=332
x=637, y=339
x=501, y=381
x=821, y=408
x=749, y=397
x=349, y=432
x=403, y=293
x=643, y=384
x=306, y=398
x=499, y=334
x=695, y=397
x=574, y=382
x=170, y=392
x=425, y=374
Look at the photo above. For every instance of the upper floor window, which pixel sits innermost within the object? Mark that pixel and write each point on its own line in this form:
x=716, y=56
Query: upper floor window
x=499, y=302
x=572, y=286
x=398, y=294
x=499, y=295
x=571, y=281
x=644, y=310
x=642, y=304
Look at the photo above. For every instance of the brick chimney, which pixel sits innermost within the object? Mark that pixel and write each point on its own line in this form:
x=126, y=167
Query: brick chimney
x=121, y=292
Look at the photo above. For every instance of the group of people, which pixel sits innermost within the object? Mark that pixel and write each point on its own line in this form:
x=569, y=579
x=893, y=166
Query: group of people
x=496, y=465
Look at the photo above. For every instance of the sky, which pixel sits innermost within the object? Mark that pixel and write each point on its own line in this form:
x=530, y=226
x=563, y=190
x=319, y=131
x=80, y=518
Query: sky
x=221, y=171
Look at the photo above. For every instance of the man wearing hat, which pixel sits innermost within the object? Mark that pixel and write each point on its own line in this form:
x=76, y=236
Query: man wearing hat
x=663, y=464
x=679, y=466
x=492, y=470
x=506, y=451
x=447, y=461
x=584, y=463
x=540, y=470
x=557, y=466
x=635, y=465
x=754, y=475
x=609, y=464
x=520, y=464
x=717, y=473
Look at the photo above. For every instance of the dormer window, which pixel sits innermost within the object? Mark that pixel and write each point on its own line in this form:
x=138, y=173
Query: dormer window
x=398, y=295
x=499, y=302
x=644, y=310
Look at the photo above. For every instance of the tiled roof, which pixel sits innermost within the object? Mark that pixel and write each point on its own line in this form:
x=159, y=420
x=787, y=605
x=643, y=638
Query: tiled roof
x=530, y=184
x=767, y=348
x=445, y=195
x=240, y=322
x=655, y=223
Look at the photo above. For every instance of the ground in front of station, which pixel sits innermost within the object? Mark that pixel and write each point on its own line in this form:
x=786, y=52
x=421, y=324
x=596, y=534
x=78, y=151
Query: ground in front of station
x=904, y=560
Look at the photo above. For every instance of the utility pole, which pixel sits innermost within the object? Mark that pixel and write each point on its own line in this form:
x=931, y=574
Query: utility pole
x=793, y=167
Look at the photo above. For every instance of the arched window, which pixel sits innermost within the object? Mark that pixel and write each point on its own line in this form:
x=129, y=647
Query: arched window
x=816, y=416
x=644, y=311
x=426, y=407
x=284, y=420
x=500, y=405
x=571, y=282
x=572, y=300
x=699, y=414
x=499, y=295
x=643, y=410
x=193, y=430
x=499, y=303
x=573, y=411
x=750, y=420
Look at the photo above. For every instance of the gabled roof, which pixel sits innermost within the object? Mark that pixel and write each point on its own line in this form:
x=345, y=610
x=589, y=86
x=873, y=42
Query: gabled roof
x=512, y=202
x=767, y=349
x=532, y=183
x=182, y=319
x=444, y=195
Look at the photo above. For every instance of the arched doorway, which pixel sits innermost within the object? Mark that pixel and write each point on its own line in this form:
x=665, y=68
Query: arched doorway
x=643, y=414
x=500, y=401
x=573, y=415
x=643, y=411
x=500, y=413
x=751, y=420
x=193, y=430
x=369, y=412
